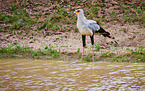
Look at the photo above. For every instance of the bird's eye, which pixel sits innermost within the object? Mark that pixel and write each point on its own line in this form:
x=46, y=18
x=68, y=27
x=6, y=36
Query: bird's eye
x=77, y=11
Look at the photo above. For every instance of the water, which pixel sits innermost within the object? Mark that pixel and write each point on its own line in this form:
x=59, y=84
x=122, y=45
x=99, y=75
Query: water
x=40, y=75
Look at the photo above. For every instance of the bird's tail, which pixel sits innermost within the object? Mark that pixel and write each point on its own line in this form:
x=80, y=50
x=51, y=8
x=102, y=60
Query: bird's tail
x=106, y=34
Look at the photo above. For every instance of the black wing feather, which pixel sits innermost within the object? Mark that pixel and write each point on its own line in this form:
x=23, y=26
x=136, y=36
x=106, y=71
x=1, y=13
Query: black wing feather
x=103, y=32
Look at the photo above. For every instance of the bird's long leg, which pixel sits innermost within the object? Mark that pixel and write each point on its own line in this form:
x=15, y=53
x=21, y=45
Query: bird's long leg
x=92, y=42
x=93, y=52
x=84, y=44
x=93, y=49
x=82, y=54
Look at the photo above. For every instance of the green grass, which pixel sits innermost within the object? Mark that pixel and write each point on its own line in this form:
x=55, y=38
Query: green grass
x=15, y=50
x=63, y=19
x=88, y=57
x=136, y=55
x=132, y=12
x=21, y=19
x=97, y=46
x=14, y=6
x=18, y=18
x=128, y=13
x=46, y=24
x=59, y=15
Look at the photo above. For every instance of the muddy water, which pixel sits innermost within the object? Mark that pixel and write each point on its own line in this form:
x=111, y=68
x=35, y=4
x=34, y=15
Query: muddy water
x=39, y=75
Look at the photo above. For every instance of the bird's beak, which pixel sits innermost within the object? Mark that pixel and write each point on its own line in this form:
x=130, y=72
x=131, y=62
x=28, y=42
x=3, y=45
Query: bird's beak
x=76, y=12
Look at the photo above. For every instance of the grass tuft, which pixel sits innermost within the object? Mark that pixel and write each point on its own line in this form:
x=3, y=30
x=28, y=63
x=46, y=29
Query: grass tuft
x=28, y=52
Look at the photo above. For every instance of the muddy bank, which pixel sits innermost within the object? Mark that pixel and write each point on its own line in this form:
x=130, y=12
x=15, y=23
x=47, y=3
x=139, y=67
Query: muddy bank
x=126, y=36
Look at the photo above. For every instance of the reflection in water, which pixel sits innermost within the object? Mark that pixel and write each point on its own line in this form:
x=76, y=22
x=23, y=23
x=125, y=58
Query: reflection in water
x=21, y=74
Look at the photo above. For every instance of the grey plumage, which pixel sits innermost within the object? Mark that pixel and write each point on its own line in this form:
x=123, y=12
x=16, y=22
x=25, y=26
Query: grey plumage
x=94, y=26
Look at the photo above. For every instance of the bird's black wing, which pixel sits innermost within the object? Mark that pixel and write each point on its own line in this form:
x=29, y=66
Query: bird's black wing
x=96, y=28
x=103, y=32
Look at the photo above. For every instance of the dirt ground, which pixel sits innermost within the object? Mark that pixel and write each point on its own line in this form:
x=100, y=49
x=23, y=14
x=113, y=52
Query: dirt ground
x=134, y=36
x=127, y=35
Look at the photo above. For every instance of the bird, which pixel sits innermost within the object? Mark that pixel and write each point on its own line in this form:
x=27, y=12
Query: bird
x=88, y=27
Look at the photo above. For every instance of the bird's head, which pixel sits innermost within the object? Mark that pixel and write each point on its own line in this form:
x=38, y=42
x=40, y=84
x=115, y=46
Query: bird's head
x=79, y=11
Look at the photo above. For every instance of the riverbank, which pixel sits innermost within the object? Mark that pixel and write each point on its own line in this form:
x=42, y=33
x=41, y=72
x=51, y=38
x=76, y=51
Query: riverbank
x=47, y=30
x=113, y=54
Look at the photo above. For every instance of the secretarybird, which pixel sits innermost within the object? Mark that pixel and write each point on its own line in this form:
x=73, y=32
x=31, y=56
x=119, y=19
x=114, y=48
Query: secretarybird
x=89, y=28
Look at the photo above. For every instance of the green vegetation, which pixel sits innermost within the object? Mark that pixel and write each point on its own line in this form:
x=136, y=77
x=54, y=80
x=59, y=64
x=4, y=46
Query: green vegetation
x=59, y=14
x=136, y=55
x=19, y=20
x=97, y=47
x=131, y=12
x=46, y=24
x=130, y=55
x=14, y=50
x=88, y=57
x=14, y=6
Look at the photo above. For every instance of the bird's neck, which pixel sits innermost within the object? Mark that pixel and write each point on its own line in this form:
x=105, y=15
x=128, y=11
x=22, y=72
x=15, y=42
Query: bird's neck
x=81, y=17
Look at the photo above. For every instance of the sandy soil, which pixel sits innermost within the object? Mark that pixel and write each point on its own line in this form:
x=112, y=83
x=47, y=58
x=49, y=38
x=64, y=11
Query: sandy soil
x=126, y=36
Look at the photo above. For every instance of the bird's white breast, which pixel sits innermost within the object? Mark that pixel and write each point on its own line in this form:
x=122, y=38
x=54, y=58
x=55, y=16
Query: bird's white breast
x=83, y=27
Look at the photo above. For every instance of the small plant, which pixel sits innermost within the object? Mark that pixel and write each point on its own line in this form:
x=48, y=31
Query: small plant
x=28, y=27
x=140, y=50
x=47, y=24
x=78, y=50
x=93, y=10
x=20, y=22
x=14, y=6
x=55, y=27
x=97, y=46
x=53, y=52
x=88, y=57
x=104, y=53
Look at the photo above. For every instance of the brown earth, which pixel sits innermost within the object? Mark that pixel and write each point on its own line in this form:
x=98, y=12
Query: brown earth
x=127, y=35
x=71, y=41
